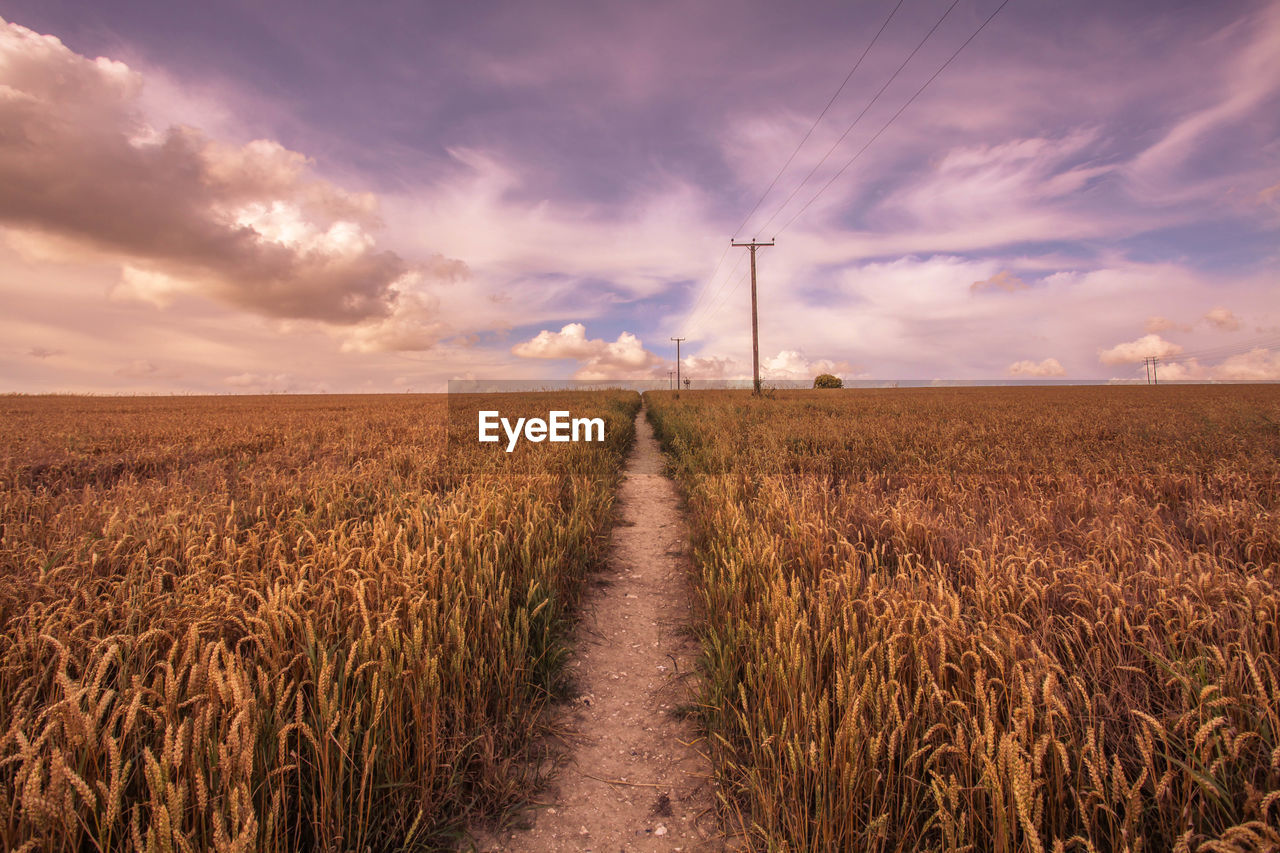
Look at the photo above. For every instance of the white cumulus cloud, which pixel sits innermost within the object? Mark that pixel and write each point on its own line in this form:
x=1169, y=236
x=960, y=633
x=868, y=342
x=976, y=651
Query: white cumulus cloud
x=791, y=364
x=625, y=358
x=1135, y=351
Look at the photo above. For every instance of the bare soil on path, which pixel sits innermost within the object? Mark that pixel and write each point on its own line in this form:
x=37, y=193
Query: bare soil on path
x=631, y=777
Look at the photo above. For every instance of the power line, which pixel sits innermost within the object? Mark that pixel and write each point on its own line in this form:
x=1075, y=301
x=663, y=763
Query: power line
x=869, y=104
x=711, y=303
x=894, y=117
x=1230, y=349
x=1226, y=350
x=693, y=312
x=753, y=245
x=702, y=293
x=814, y=126
x=711, y=279
x=722, y=294
x=859, y=116
x=734, y=289
x=1221, y=353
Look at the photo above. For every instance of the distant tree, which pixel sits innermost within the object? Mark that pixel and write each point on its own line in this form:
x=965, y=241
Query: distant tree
x=687, y=383
x=826, y=380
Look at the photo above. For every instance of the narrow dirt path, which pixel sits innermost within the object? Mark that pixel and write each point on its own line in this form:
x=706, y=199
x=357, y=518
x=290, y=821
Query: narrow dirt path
x=633, y=778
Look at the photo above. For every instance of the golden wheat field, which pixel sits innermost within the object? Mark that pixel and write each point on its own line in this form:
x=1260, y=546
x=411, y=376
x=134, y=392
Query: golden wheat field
x=989, y=619
x=267, y=624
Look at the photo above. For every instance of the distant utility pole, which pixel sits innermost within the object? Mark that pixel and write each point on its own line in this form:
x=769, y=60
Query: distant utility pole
x=1153, y=375
x=755, y=326
x=678, y=340
x=670, y=379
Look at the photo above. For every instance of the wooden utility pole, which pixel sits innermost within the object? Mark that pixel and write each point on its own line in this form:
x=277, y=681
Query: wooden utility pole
x=670, y=379
x=678, y=340
x=755, y=326
x=1153, y=373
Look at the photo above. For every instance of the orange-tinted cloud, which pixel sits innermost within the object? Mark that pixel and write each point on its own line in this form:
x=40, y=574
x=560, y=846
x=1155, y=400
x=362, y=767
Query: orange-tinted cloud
x=1157, y=324
x=1026, y=367
x=1003, y=280
x=1222, y=319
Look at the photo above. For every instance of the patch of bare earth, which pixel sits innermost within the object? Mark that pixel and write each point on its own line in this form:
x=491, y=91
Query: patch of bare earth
x=631, y=774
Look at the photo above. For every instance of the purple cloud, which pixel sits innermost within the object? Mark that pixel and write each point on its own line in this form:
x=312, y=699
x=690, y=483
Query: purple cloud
x=1044, y=200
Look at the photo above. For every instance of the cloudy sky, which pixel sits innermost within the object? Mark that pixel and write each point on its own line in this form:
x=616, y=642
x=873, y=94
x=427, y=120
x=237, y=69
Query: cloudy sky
x=234, y=196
